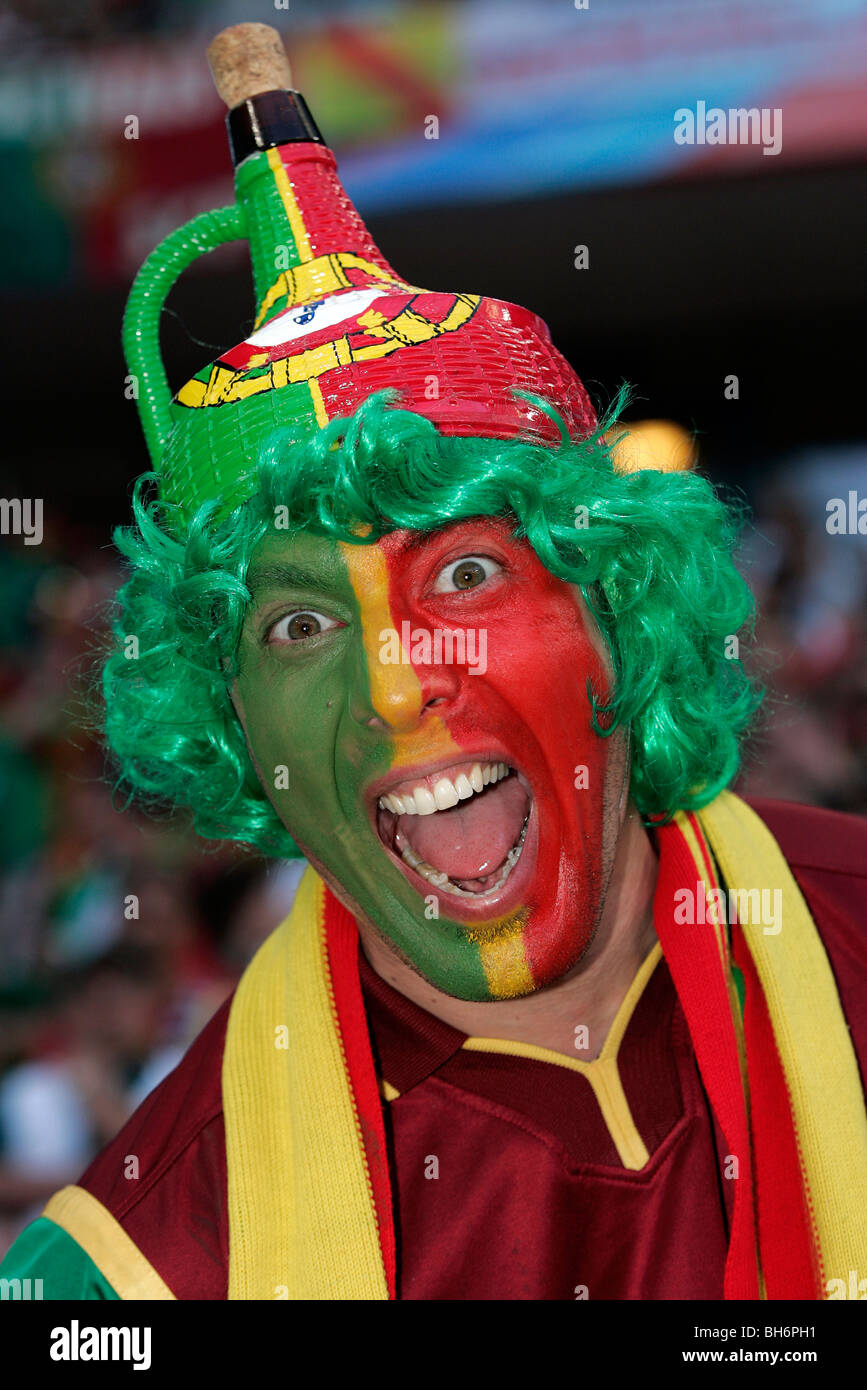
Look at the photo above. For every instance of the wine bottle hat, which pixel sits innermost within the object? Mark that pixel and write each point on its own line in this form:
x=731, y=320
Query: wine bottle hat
x=334, y=322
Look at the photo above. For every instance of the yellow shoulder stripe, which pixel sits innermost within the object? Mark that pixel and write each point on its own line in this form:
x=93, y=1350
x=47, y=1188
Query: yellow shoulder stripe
x=100, y=1236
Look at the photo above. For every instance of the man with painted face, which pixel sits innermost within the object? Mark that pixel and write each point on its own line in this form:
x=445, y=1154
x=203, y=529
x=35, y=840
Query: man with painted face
x=555, y=1015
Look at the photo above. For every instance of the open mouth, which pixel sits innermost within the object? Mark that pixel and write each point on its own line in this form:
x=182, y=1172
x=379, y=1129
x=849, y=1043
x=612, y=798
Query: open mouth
x=462, y=831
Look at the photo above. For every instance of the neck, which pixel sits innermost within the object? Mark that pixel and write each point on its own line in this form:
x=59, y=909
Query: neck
x=589, y=995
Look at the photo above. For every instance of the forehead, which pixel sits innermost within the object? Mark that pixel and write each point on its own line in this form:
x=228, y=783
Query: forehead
x=295, y=560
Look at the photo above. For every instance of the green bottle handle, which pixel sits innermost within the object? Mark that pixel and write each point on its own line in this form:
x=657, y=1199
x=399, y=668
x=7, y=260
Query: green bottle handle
x=141, y=320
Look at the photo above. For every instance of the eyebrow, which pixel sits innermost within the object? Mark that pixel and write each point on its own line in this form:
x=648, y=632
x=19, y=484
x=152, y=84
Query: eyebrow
x=283, y=575
x=418, y=540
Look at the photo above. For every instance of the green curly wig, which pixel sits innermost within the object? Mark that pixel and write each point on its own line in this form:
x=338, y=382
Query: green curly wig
x=654, y=562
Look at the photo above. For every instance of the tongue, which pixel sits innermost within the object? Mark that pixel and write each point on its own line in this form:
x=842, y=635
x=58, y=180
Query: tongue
x=473, y=838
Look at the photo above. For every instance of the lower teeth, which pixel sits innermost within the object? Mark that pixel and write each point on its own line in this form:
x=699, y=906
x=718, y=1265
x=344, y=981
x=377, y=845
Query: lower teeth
x=442, y=880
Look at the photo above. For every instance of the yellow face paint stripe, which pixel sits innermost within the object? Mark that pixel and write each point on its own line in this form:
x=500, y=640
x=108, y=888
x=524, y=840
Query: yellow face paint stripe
x=505, y=966
x=395, y=690
x=500, y=945
x=396, y=696
x=290, y=204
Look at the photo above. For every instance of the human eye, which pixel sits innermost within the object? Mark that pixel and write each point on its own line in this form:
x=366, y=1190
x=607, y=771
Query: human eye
x=469, y=572
x=300, y=625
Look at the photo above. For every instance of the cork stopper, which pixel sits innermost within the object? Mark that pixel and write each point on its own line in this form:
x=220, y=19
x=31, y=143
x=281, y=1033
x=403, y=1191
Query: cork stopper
x=247, y=59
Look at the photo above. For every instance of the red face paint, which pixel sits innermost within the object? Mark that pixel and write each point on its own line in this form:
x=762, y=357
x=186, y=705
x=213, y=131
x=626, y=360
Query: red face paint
x=530, y=708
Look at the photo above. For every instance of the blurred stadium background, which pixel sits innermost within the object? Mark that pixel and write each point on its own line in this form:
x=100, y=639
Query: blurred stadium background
x=555, y=131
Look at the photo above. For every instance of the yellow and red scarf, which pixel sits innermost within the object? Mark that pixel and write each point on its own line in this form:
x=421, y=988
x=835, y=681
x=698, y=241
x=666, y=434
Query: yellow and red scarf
x=310, y=1207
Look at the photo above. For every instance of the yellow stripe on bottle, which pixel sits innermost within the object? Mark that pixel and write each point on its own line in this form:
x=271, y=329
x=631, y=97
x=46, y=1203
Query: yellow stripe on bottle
x=290, y=205
x=318, y=402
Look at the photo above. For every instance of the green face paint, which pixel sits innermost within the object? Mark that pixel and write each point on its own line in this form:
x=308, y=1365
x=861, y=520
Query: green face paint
x=306, y=709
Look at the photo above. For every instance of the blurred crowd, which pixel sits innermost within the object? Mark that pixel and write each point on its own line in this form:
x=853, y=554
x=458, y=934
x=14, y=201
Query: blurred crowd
x=810, y=584
x=120, y=933
x=34, y=25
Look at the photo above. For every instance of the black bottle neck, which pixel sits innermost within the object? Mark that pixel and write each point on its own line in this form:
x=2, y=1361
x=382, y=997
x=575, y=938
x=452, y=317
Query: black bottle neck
x=269, y=119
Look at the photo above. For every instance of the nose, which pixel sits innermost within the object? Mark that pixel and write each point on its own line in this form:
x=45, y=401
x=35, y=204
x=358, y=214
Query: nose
x=389, y=691
x=392, y=694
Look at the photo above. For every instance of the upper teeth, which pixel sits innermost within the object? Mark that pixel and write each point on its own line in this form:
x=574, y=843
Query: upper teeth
x=423, y=801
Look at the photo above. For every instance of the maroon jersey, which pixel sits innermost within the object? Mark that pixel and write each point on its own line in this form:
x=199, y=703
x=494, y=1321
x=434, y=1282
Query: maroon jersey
x=508, y=1180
